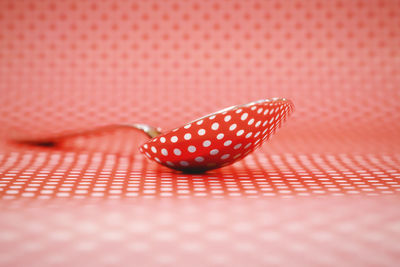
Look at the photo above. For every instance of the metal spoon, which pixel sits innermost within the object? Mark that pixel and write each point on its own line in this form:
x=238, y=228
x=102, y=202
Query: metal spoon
x=212, y=141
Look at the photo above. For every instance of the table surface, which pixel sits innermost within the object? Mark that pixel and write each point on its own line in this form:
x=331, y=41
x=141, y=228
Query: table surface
x=324, y=191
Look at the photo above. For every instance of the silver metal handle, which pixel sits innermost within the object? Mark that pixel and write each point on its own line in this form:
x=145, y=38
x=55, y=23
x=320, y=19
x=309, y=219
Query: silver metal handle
x=150, y=131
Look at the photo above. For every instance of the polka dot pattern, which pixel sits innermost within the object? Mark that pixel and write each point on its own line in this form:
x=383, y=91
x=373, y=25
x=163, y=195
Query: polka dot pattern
x=323, y=192
x=233, y=128
x=55, y=174
x=208, y=233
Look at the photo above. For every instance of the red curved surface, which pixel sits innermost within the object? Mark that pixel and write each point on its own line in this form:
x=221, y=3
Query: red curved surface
x=323, y=191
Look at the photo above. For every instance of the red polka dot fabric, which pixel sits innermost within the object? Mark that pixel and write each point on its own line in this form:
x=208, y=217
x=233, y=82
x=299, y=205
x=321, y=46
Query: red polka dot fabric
x=323, y=190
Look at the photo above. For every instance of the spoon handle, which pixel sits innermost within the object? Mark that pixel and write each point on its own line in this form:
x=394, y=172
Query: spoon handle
x=150, y=131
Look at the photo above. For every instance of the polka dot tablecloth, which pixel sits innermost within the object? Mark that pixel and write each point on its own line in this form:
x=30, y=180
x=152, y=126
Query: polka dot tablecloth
x=323, y=192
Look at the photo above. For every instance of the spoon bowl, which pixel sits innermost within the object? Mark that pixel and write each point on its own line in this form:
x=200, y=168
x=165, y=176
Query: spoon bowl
x=218, y=139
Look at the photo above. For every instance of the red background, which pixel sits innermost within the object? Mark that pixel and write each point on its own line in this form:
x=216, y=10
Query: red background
x=74, y=65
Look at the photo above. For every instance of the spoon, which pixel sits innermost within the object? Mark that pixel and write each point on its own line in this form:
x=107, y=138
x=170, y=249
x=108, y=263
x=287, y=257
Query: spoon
x=212, y=141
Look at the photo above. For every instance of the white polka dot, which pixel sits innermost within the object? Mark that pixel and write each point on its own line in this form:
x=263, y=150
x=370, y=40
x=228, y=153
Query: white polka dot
x=253, y=107
x=228, y=143
x=227, y=118
x=249, y=134
x=174, y=139
x=164, y=152
x=247, y=152
x=141, y=149
x=250, y=122
x=239, y=110
x=272, y=111
x=192, y=149
x=237, y=146
x=170, y=163
x=258, y=123
x=257, y=134
x=220, y=136
x=265, y=123
x=259, y=110
x=247, y=146
x=199, y=159
x=272, y=119
x=184, y=163
x=214, y=152
x=177, y=152
x=212, y=117
x=187, y=136
x=215, y=126
x=187, y=126
x=233, y=127
x=154, y=149
x=201, y=132
x=266, y=111
x=244, y=116
x=145, y=146
x=200, y=122
x=239, y=133
x=207, y=143
x=225, y=156
x=238, y=155
x=157, y=159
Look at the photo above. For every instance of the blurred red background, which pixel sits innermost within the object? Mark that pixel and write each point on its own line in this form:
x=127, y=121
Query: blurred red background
x=71, y=65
